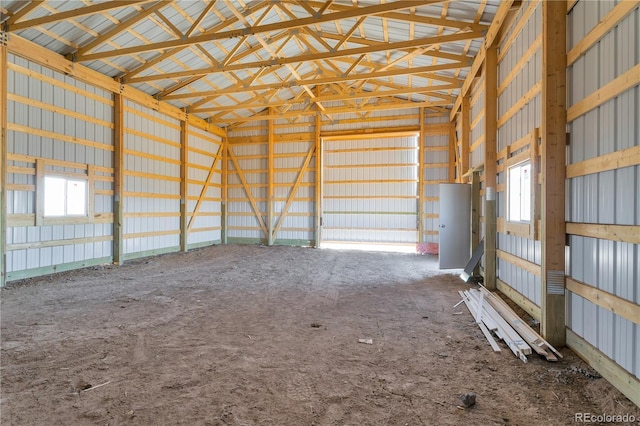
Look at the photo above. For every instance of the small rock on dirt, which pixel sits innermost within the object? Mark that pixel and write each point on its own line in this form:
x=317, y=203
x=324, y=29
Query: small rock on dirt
x=468, y=399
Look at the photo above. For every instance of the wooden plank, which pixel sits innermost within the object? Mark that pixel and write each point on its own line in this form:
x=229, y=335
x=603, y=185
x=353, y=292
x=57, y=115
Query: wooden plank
x=485, y=331
x=609, y=369
x=58, y=136
x=519, y=262
x=522, y=62
x=152, y=234
x=74, y=13
x=466, y=133
x=519, y=299
x=270, y=180
x=616, y=160
x=490, y=162
x=118, y=179
x=619, y=306
x=225, y=188
x=184, y=187
x=422, y=141
x=553, y=133
x=505, y=45
x=623, y=233
x=606, y=24
x=58, y=110
x=520, y=103
x=57, y=243
x=536, y=190
x=490, y=37
x=3, y=163
x=611, y=90
x=452, y=152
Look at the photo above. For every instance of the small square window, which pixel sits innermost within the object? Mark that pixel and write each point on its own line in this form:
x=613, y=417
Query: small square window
x=65, y=197
x=519, y=192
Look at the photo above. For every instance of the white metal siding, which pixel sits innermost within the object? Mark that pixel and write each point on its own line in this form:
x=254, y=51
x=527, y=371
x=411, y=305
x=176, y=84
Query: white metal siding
x=151, y=203
x=204, y=151
x=609, y=197
x=365, y=197
x=52, y=116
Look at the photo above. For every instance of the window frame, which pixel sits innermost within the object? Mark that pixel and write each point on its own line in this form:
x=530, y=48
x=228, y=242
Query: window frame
x=80, y=173
x=509, y=194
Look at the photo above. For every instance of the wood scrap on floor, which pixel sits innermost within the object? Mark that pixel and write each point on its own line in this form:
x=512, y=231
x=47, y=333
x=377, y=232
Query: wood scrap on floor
x=493, y=315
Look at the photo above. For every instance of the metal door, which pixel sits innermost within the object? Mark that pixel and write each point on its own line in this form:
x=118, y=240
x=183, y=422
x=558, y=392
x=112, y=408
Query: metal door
x=455, y=225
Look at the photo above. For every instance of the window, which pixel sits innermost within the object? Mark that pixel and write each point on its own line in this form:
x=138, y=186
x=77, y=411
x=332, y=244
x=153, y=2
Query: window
x=65, y=197
x=519, y=192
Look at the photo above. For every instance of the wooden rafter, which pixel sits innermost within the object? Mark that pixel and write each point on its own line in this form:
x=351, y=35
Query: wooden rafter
x=314, y=57
x=75, y=13
x=345, y=96
x=258, y=29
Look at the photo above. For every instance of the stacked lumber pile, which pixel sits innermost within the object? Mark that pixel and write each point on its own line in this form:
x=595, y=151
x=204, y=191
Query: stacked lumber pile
x=495, y=317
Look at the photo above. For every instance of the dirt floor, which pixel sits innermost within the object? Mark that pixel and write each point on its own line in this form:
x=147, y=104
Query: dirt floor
x=249, y=335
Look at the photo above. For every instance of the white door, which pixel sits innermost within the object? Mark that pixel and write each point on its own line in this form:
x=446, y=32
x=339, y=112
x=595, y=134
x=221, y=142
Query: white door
x=455, y=225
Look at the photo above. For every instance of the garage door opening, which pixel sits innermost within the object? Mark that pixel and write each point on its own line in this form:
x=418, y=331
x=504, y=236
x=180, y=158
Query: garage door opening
x=370, y=192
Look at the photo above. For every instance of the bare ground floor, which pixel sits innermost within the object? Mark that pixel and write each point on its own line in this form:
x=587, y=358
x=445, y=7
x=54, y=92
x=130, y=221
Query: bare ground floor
x=250, y=335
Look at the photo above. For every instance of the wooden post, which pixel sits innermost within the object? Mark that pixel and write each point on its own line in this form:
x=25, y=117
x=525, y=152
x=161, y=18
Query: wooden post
x=118, y=179
x=452, y=152
x=3, y=159
x=318, y=142
x=475, y=215
x=490, y=165
x=184, y=187
x=421, y=159
x=553, y=166
x=464, y=139
x=270, y=196
x=223, y=203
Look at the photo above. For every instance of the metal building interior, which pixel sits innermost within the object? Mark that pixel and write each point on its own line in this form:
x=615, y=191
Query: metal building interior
x=187, y=124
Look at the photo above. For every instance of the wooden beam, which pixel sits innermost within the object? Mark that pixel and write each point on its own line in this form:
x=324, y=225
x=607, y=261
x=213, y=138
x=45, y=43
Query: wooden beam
x=310, y=57
x=608, y=368
x=628, y=157
x=521, y=263
x=38, y=54
x=118, y=180
x=270, y=192
x=28, y=8
x=184, y=186
x=619, y=306
x=492, y=33
x=225, y=188
x=623, y=233
x=422, y=142
x=260, y=29
x=3, y=162
x=490, y=165
x=126, y=23
x=74, y=13
x=338, y=110
x=611, y=90
x=466, y=133
x=553, y=133
x=251, y=104
x=319, y=177
x=609, y=21
x=519, y=299
x=452, y=152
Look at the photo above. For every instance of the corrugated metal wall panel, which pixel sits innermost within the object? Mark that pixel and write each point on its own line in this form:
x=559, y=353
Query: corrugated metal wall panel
x=151, y=181
x=517, y=76
x=207, y=226
x=51, y=117
x=607, y=197
x=360, y=202
x=436, y=159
